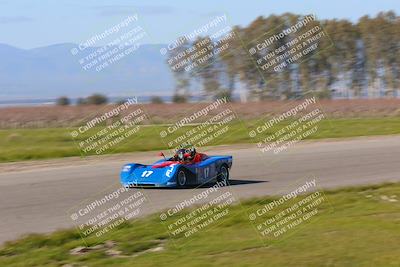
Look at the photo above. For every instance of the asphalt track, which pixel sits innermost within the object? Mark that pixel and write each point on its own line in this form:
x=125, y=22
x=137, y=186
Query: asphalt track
x=36, y=197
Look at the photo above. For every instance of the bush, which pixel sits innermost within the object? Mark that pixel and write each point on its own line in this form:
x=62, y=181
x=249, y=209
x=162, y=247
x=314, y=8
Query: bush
x=63, y=101
x=224, y=94
x=179, y=98
x=96, y=99
x=156, y=100
x=81, y=101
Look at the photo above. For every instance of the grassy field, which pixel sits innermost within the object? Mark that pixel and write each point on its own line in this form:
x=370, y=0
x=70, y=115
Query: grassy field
x=65, y=116
x=43, y=143
x=360, y=227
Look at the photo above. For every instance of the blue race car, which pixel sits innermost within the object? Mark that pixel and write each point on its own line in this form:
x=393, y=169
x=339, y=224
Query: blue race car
x=185, y=168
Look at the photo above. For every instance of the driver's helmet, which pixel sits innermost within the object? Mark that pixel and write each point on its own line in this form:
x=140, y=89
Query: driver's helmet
x=184, y=154
x=181, y=154
x=192, y=152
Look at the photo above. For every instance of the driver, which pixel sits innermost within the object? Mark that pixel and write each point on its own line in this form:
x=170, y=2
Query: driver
x=197, y=157
x=181, y=155
x=191, y=154
x=188, y=155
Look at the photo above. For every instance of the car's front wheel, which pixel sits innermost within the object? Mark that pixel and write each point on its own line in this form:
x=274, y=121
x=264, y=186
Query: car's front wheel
x=223, y=175
x=181, y=178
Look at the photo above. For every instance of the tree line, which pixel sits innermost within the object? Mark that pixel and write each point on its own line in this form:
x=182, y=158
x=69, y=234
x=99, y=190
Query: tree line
x=363, y=62
x=98, y=99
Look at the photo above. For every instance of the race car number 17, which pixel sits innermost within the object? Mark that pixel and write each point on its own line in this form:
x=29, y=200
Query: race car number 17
x=147, y=173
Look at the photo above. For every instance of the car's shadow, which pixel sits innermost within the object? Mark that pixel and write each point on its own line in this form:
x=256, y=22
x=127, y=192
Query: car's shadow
x=206, y=185
x=231, y=183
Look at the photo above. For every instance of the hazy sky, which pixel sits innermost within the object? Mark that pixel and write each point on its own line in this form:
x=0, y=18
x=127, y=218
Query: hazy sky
x=34, y=23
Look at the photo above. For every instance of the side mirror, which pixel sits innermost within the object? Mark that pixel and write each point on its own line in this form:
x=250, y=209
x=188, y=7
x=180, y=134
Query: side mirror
x=161, y=154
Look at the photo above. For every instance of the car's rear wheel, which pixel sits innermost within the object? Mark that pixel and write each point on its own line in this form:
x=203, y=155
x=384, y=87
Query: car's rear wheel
x=181, y=178
x=223, y=175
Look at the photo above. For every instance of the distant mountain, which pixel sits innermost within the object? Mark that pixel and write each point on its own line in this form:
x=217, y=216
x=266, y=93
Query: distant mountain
x=52, y=71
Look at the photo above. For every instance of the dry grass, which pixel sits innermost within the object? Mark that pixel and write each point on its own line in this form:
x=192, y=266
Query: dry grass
x=57, y=116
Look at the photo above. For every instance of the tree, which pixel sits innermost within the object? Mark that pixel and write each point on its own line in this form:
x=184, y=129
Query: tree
x=63, y=101
x=96, y=99
x=207, y=71
x=179, y=98
x=176, y=61
x=355, y=57
x=156, y=100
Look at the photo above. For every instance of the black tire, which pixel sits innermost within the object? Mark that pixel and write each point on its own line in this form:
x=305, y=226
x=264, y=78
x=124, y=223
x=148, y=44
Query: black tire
x=223, y=174
x=182, y=178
